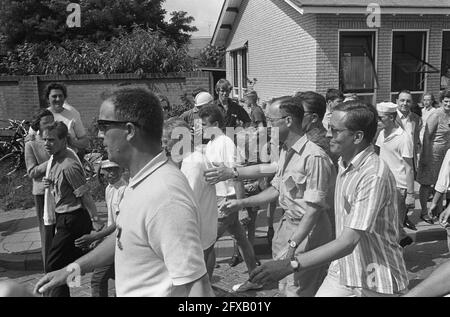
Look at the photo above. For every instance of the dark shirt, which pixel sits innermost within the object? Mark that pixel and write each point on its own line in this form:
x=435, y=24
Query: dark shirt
x=257, y=115
x=235, y=112
x=67, y=175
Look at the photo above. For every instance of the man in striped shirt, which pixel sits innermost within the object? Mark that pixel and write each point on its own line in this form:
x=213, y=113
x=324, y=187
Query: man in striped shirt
x=367, y=259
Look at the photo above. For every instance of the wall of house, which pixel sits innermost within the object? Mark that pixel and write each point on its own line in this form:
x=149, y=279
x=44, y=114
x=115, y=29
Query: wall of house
x=328, y=47
x=21, y=97
x=281, y=47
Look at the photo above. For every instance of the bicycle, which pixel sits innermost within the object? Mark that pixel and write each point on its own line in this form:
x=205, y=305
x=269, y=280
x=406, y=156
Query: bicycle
x=13, y=150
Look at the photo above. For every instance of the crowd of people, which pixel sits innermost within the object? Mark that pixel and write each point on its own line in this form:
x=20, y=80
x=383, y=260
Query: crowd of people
x=341, y=171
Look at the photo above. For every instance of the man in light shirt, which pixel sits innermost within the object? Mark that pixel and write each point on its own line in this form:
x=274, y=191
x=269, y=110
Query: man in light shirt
x=396, y=149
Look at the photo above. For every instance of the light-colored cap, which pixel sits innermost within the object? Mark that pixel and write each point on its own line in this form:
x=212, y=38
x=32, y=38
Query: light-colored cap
x=203, y=98
x=387, y=107
x=109, y=164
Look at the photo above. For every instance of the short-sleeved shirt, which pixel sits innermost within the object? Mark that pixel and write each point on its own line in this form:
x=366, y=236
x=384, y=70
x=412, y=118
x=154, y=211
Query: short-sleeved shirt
x=234, y=113
x=113, y=197
x=72, y=121
x=193, y=167
x=366, y=201
x=66, y=175
x=393, y=150
x=158, y=242
x=257, y=115
x=222, y=150
x=443, y=182
x=305, y=175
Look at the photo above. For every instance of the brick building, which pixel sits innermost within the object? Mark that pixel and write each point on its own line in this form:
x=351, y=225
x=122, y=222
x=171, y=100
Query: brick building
x=298, y=45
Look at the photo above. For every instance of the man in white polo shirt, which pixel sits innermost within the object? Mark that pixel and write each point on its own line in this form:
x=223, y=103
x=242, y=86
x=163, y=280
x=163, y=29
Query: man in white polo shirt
x=396, y=149
x=156, y=249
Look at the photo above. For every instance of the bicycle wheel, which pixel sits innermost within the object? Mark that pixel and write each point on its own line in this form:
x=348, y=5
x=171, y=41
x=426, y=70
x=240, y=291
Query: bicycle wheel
x=11, y=162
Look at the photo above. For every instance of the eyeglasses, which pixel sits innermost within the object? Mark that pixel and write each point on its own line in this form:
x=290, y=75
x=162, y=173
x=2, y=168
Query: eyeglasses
x=104, y=125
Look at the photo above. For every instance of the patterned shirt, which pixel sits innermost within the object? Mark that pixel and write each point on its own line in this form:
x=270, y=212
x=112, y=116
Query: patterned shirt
x=305, y=174
x=365, y=200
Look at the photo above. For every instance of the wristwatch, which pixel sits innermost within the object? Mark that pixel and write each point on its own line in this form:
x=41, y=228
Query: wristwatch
x=292, y=244
x=235, y=173
x=295, y=265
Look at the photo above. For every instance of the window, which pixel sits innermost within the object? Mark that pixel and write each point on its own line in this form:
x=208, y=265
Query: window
x=357, y=62
x=445, y=64
x=234, y=58
x=408, y=61
x=244, y=68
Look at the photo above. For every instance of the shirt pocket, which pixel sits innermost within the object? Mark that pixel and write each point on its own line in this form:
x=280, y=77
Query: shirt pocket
x=295, y=184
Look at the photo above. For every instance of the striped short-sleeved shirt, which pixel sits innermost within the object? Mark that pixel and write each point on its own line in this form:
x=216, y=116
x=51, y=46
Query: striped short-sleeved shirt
x=365, y=200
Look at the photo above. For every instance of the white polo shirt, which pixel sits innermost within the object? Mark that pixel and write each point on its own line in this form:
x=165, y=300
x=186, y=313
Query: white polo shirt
x=393, y=150
x=158, y=238
x=223, y=150
x=193, y=167
x=443, y=182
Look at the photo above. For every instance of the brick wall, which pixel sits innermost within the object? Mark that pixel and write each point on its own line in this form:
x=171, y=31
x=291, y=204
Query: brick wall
x=21, y=97
x=281, y=47
x=288, y=51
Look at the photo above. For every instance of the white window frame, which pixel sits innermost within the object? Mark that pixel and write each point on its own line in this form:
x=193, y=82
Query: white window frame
x=239, y=90
x=375, y=90
x=427, y=51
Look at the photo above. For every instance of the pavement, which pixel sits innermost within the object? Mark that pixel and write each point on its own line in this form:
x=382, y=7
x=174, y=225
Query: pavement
x=20, y=257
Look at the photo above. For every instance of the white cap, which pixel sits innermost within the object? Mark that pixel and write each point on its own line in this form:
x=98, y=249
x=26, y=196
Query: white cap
x=109, y=164
x=387, y=107
x=203, y=98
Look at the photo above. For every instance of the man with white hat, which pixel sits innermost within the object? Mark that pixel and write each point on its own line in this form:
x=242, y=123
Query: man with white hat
x=201, y=99
x=396, y=149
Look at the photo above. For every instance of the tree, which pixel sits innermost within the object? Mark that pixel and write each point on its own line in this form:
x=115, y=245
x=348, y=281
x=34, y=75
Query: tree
x=212, y=56
x=35, y=21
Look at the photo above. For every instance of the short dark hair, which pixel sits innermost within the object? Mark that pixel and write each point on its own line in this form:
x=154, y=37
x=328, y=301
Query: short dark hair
x=60, y=127
x=293, y=106
x=314, y=101
x=223, y=83
x=333, y=94
x=36, y=121
x=213, y=114
x=58, y=86
x=445, y=94
x=404, y=91
x=360, y=117
x=138, y=104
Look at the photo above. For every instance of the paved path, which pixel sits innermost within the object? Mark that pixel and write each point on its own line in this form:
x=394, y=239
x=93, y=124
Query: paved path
x=20, y=258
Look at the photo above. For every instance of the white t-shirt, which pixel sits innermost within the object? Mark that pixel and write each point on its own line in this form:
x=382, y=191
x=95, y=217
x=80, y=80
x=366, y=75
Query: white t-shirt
x=443, y=182
x=223, y=150
x=193, y=167
x=393, y=150
x=113, y=196
x=158, y=242
x=72, y=121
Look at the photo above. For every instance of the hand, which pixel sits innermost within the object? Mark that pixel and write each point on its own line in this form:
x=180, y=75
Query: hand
x=244, y=218
x=410, y=201
x=443, y=217
x=272, y=271
x=218, y=174
x=230, y=206
x=47, y=182
x=51, y=280
x=85, y=241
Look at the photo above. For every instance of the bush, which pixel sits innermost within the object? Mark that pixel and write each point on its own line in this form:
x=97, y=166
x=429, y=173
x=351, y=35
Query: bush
x=141, y=51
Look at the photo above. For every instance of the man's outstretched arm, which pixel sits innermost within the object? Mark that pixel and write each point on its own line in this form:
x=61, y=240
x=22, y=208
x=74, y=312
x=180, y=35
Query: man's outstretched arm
x=435, y=285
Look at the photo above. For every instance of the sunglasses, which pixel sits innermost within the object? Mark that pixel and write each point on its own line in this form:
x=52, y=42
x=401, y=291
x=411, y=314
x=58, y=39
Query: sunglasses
x=104, y=125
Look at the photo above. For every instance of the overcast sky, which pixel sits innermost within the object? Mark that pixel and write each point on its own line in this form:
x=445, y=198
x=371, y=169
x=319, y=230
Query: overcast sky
x=205, y=12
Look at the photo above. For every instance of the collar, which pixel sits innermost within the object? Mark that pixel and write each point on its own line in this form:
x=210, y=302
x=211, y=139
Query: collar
x=300, y=144
x=398, y=131
x=402, y=116
x=149, y=169
x=195, y=110
x=121, y=182
x=358, y=160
